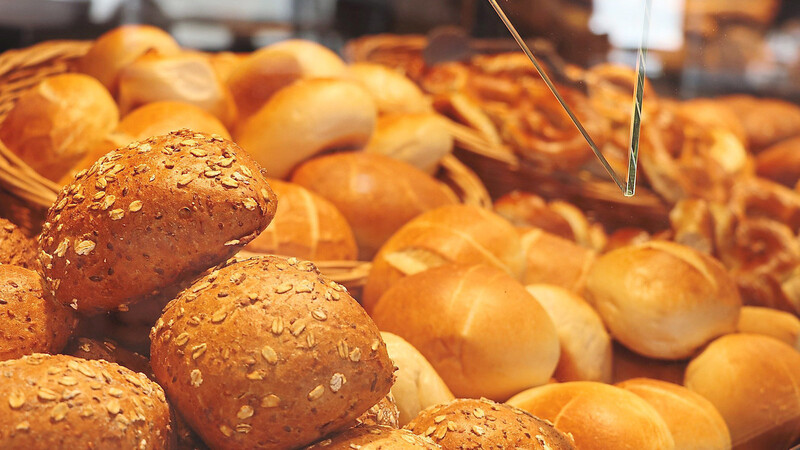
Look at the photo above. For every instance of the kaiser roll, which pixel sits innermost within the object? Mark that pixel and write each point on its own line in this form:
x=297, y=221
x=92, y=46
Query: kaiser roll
x=770, y=322
x=421, y=140
x=393, y=92
x=16, y=248
x=157, y=118
x=375, y=437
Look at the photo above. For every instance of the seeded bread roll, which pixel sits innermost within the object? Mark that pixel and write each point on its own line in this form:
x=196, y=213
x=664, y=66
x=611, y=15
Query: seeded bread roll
x=375, y=437
x=29, y=322
x=393, y=92
x=421, y=139
x=87, y=348
x=284, y=356
x=770, y=322
x=484, y=424
x=376, y=194
x=569, y=271
x=157, y=118
x=598, y=416
x=694, y=422
x=149, y=215
x=16, y=248
x=66, y=402
x=383, y=413
x=306, y=226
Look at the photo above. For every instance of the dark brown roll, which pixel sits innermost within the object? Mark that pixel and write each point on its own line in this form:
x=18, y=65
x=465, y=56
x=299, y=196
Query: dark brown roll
x=16, y=248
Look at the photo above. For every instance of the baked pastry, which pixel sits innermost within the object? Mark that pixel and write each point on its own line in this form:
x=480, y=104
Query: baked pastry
x=157, y=118
x=374, y=437
x=393, y=92
x=780, y=162
x=569, y=272
x=108, y=350
x=766, y=121
x=770, y=322
x=383, y=413
x=421, y=139
x=16, y=248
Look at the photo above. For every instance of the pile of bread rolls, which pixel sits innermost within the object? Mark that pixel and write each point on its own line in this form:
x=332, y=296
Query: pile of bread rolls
x=522, y=326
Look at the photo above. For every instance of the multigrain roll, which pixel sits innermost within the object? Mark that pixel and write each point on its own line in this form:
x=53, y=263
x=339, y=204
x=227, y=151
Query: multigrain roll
x=393, y=92
x=267, y=353
x=376, y=194
x=421, y=139
x=305, y=226
x=598, y=416
x=53, y=124
x=147, y=216
x=483, y=424
x=497, y=339
x=384, y=413
x=770, y=322
x=752, y=381
x=694, y=422
x=662, y=299
x=307, y=118
x=569, y=271
x=585, y=343
x=66, y=402
x=16, y=248
x=30, y=323
x=375, y=437
x=450, y=234
x=157, y=118
x=417, y=386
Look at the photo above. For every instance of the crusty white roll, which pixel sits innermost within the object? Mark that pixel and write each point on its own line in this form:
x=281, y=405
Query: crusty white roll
x=116, y=49
x=183, y=77
x=694, y=422
x=585, y=343
x=417, y=385
x=598, y=416
x=496, y=339
x=307, y=118
x=393, y=92
x=157, y=118
x=52, y=125
x=421, y=139
x=753, y=382
x=569, y=270
x=770, y=322
x=662, y=299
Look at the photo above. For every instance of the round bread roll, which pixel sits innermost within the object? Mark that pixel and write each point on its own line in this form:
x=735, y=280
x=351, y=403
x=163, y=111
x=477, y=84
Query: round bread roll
x=284, y=356
x=53, y=124
x=752, y=381
x=781, y=162
x=393, y=92
x=16, y=248
x=375, y=437
x=66, y=402
x=225, y=63
x=417, y=385
x=305, y=226
x=157, y=118
x=118, y=48
x=183, y=77
x=307, y=118
x=148, y=216
x=598, y=416
x=421, y=140
x=451, y=234
x=770, y=322
x=108, y=350
x=525, y=210
x=316, y=60
x=483, y=424
x=384, y=413
x=694, y=422
x=585, y=343
x=628, y=365
x=376, y=194
x=662, y=299
x=570, y=270
x=478, y=351
x=30, y=323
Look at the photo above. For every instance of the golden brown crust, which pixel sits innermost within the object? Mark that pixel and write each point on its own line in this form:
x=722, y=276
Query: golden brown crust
x=375, y=437
x=383, y=413
x=87, y=348
x=524, y=209
x=149, y=215
x=30, y=323
x=483, y=424
x=571, y=269
x=265, y=352
x=157, y=118
x=66, y=402
x=16, y=248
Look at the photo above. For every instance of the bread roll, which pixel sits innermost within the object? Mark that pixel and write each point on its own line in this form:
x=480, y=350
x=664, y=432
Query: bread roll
x=628, y=365
x=97, y=150
x=53, y=124
x=623, y=237
x=149, y=216
x=770, y=322
x=497, y=339
x=766, y=121
x=525, y=210
x=393, y=92
x=30, y=323
x=375, y=437
x=569, y=271
x=304, y=119
x=663, y=300
x=16, y=248
x=597, y=415
x=305, y=226
x=483, y=424
x=421, y=140
x=752, y=381
x=267, y=353
x=781, y=162
x=450, y=234
x=157, y=118
x=316, y=60
x=183, y=77
x=225, y=63
x=585, y=343
x=118, y=48
x=376, y=194
x=384, y=413
x=417, y=385
x=694, y=422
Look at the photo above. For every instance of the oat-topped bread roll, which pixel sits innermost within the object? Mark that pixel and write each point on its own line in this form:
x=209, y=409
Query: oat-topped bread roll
x=483, y=424
x=62, y=402
x=149, y=215
x=374, y=437
x=267, y=353
x=29, y=322
x=16, y=248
